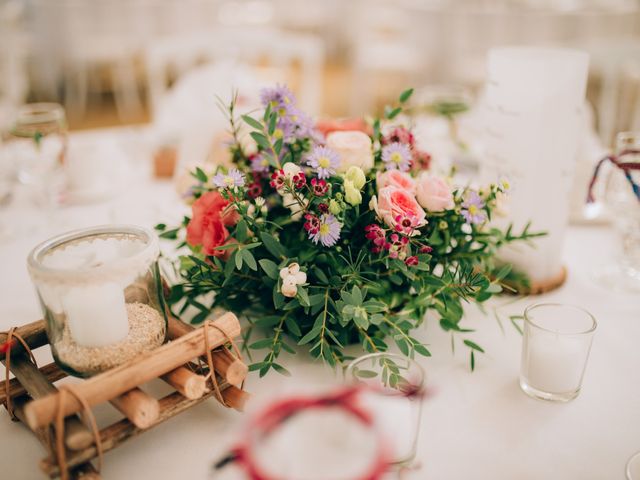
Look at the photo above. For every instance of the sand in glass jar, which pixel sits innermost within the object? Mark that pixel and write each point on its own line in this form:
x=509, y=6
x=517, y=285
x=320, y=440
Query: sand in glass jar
x=100, y=293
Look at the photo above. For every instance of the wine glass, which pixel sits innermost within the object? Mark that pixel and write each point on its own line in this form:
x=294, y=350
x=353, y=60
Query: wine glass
x=36, y=145
x=623, y=201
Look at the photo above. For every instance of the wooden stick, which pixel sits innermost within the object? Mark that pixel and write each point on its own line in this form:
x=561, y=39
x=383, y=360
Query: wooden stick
x=236, y=398
x=234, y=371
x=85, y=471
x=116, y=434
x=76, y=434
x=140, y=408
x=189, y=384
x=33, y=333
x=51, y=372
x=114, y=382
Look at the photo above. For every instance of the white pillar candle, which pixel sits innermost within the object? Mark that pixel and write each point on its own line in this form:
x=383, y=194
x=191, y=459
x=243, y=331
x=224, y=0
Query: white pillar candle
x=531, y=124
x=96, y=314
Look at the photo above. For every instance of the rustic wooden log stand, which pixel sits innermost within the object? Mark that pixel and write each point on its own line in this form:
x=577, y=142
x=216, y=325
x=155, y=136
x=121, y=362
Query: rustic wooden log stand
x=35, y=398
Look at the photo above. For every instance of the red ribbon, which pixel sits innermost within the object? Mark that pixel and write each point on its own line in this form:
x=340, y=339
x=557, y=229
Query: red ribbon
x=626, y=167
x=279, y=412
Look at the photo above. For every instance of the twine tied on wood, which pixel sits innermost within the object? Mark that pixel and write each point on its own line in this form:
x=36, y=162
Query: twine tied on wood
x=60, y=448
x=212, y=373
x=7, y=363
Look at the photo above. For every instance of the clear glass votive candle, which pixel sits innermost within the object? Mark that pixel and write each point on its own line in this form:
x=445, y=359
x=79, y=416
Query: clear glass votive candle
x=101, y=296
x=555, y=348
x=394, y=398
x=633, y=467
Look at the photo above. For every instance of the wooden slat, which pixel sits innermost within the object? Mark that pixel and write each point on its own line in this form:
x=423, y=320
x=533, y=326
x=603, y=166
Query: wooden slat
x=84, y=471
x=114, y=382
x=233, y=370
x=51, y=371
x=33, y=333
x=118, y=433
x=77, y=435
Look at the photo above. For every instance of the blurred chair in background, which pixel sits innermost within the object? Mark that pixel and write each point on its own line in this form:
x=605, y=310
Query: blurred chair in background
x=14, y=48
x=172, y=57
x=385, y=46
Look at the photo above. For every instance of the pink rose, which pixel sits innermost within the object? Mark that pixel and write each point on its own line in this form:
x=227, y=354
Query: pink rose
x=353, y=147
x=434, y=193
x=397, y=179
x=211, y=215
x=394, y=203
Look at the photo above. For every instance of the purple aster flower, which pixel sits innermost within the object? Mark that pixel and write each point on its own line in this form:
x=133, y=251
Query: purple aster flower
x=260, y=164
x=328, y=231
x=397, y=156
x=233, y=178
x=285, y=129
x=280, y=98
x=473, y=207
x=324, y=160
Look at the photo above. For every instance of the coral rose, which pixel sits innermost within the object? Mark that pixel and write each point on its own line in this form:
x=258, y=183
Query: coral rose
x=434, y=193
x=393, y=202
x=325, y=127
x=396, y=178
x=354, y=148
x=211, y=214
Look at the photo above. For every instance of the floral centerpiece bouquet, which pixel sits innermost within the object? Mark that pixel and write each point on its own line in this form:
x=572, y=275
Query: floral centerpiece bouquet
x=325, y=239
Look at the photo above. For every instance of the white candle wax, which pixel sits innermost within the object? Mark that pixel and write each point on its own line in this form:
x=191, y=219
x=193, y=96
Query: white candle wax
x=96, y=314
x=554, y=364
x=396, y=419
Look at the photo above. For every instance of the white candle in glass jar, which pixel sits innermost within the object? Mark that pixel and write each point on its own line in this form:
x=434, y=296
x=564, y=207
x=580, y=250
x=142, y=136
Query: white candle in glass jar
x=555, y=363
x=96, y=314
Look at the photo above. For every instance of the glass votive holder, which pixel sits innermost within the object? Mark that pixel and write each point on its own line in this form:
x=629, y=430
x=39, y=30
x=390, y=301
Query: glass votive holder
x=311, y=438
x=633, y=467
x=555, y=348
x=395, y=386
x=101, y=296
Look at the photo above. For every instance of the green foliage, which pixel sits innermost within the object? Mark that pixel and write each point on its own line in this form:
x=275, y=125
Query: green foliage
x=350, y=294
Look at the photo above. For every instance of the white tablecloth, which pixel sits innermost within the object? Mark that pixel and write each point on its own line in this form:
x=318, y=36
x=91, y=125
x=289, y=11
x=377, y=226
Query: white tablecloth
x=476, y=425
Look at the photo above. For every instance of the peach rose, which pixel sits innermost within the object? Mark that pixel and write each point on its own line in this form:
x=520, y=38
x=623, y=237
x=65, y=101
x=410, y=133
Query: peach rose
x=393, y=202
x=326, y=126
x=354, y=149
x=211, y=214
x=434, y=193
x=397, y=179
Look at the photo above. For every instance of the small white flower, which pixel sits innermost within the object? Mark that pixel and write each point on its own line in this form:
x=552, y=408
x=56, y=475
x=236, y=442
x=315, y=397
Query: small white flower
x=292, y=277
x=290, y=169
x=260, y=201
x=373, y=205
x=251, y=211
x=289, y=201
x=289, y=290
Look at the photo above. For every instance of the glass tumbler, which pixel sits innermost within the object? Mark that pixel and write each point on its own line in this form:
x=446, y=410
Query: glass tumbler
x=555, y=348
x=633, y=467
x=36, y=145
x=101, y=295
x=394, y=398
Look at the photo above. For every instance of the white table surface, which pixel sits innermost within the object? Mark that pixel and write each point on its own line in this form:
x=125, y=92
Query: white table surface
x=477, y=425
